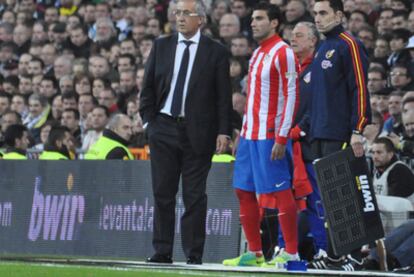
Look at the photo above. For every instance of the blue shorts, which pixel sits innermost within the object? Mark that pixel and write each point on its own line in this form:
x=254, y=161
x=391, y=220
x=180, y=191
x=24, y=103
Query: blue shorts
x=255, y=171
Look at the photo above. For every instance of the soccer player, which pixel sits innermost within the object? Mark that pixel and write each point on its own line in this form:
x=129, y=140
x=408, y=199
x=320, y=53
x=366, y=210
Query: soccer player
x=262, y=166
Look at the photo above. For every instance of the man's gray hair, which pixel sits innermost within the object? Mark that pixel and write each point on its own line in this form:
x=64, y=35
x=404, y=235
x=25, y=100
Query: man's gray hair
x=312, y=28
x=200, y=7
x=114, y=121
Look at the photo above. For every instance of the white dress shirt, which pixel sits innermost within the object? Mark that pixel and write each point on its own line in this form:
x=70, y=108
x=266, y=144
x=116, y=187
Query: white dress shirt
x=177, y=63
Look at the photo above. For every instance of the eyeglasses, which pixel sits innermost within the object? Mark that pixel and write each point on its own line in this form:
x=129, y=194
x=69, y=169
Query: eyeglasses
x=185, y=13
x=398, y=74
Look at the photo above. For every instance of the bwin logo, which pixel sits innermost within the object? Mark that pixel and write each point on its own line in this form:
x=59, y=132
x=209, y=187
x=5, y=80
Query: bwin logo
x=54, y=213
x=363, y=185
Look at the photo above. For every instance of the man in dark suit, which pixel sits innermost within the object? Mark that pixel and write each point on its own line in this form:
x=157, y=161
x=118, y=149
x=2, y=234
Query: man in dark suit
x=186, y=104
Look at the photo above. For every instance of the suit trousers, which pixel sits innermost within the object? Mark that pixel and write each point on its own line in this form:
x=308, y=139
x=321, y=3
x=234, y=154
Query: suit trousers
x=172, y=157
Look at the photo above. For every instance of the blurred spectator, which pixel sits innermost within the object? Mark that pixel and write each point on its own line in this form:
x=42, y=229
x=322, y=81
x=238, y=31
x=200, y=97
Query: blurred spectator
x=51, y=15
x=48, y=87
x=70, y=100
x=407, y=143
x=6, y=32
x=23, y=66
x=408, y=101
x=220, y=8
x=66, y=84
x=57, y=145
x=21, y=36
x=384, y=24
x=10, y=84
x=5, y=102
x=57, y=107
x=128, y=46
x=401, y=78
x=398, y=42
x=356, y=21
x=39, y=32
x=139, y=78
x=243, y=11
x=107, y=98
x=391, y=176
x=19, y=105
x=154, y=27
x=372, y=131
x=79, y=41
x=229, y=27
x=98, y=66
x=85, y=105
x=399, y=20
x=62, y=66
x=35, y=67
x=394, y=123
x=138, y=32
x=25, y=84
x=83, y=84
x=105, y=30
x=48, y=56
x=367, y=35
x=114, y=140
x=7, y=119
x=376, y=80
x=17, y=141
x=382, y=47
x=126, y=62
x=70, y=119
x=382, y=102
x=44, y=134
x=39, y=113
x=100, y=117
x=240, y=47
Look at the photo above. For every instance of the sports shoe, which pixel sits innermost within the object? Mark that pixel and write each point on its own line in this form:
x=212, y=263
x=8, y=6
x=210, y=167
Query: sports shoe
x=347, y=264
x=320, y=260
x=280, y=259
x=246, y=259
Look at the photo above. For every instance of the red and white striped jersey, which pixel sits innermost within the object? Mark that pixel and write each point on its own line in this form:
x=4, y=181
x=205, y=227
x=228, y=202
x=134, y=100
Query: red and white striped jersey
x=272, y=92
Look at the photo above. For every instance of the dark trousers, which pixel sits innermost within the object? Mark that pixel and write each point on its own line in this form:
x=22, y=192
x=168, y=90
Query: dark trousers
x=322, y=148
x=172, y=156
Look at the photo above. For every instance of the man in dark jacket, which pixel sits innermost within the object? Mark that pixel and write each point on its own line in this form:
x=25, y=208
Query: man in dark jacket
x=340, y=106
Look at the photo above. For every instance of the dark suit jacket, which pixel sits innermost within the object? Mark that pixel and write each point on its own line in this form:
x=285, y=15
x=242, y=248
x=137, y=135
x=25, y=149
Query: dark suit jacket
x=208, y=104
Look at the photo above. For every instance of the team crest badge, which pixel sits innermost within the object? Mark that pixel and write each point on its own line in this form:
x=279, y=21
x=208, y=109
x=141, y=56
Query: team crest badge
x=307, y=77
x=326, y=64
x=266, y=58
x=329, y=54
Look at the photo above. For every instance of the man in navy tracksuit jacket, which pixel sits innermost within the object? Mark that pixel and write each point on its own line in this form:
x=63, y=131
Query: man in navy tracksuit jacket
x=340, y=102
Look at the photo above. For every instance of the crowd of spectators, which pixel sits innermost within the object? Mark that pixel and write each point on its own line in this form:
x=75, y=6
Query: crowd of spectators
x=76, y=63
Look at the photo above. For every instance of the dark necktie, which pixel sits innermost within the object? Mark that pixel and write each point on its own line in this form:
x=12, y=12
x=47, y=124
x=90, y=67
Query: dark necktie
x=179, y=86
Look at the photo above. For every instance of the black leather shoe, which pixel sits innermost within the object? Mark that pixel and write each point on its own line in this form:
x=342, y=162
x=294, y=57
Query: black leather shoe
x=194, y=260
x=160, y=259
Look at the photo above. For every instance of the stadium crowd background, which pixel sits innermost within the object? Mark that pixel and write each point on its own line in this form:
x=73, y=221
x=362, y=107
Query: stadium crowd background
x=59, y=60
x=77, y=63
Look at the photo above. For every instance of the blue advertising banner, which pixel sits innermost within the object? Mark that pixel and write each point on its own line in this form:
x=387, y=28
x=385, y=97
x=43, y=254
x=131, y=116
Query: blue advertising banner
x=101, y=209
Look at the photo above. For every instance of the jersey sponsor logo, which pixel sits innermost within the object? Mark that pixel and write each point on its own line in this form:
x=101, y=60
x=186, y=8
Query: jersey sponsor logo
x=266, y=59
x=329, y=54
x=291, y=75
x=326, y=64
x=307, y=77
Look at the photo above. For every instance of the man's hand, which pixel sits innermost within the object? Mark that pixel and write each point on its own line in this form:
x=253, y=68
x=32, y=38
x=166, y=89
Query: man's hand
x=357, y=145
x=221, y=144
x=394, y=138
x=278, y=151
